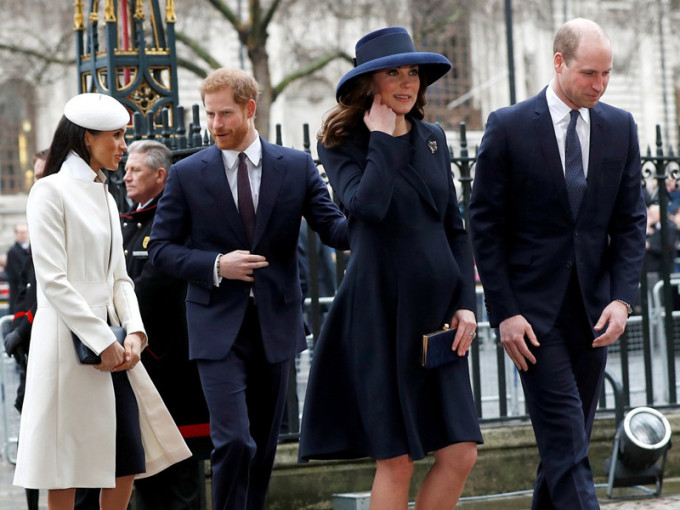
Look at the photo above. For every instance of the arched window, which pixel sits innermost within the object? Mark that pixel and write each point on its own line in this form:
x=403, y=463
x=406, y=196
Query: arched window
x=17, y=136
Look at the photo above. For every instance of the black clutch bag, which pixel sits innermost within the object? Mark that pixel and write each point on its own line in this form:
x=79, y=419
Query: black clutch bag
x=437, y=348
x=86, y=356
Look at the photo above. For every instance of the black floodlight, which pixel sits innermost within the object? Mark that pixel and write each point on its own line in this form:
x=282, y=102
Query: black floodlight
x=640, y=447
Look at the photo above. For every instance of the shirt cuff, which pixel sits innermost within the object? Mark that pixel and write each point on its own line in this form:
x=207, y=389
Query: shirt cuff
x=217, y=279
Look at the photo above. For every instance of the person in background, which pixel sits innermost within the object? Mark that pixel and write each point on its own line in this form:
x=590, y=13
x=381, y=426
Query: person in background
x=410, y=272
x=228, y=223
x=16, y=258
x=558, y=223
x=161, y=304
x=89, y=426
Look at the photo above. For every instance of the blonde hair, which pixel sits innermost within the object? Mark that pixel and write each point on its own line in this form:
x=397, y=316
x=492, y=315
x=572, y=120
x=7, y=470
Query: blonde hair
x=244, y=86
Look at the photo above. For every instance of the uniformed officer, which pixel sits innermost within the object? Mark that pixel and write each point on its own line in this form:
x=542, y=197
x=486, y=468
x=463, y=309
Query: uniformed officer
x=161, y=302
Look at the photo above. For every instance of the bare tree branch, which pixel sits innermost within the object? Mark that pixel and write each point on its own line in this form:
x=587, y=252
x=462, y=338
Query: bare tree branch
x=226, y=12
x=42, y=55
x=198, y=49
x=190, y=65
x=307, y=71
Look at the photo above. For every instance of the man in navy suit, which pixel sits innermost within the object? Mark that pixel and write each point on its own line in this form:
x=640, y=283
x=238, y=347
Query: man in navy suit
x=244, y=302
x=561, y=270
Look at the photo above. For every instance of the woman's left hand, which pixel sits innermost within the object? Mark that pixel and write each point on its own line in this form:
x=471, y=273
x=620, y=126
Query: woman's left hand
x=466, y=324
x=133, y=348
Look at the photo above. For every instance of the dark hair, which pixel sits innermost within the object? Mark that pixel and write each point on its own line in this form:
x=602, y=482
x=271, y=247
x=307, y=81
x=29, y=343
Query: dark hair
x=67, y=137
x=347, y=116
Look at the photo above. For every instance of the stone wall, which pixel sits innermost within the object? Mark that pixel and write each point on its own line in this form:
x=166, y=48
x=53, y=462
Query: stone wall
x=507, y=462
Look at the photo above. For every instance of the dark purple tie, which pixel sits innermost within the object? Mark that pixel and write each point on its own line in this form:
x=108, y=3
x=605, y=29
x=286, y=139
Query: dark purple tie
x=245, y=197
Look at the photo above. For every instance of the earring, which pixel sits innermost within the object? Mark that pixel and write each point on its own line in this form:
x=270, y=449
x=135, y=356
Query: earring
x=369, y=93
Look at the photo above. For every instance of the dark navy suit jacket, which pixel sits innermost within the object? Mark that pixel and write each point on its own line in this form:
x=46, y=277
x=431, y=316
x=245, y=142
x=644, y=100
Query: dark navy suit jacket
x=197, y=219
x=525, y=239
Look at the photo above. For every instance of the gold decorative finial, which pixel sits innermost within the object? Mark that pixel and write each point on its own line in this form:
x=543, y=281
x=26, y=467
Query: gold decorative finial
x=139, y=9
x=94, y=13
x=109, y=12
x=170, y=16
x=78, y=20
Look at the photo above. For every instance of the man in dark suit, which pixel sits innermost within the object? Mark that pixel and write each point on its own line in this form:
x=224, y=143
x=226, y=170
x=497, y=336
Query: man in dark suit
x=161, y=303
x=16, y=259
x=560, y=269
x=228, y=223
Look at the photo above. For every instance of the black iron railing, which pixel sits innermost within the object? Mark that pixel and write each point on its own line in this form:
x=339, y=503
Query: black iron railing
x=642, y=364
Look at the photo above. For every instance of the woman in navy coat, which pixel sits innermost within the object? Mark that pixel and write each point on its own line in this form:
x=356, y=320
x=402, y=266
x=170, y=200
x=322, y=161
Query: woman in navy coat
x=410, y=272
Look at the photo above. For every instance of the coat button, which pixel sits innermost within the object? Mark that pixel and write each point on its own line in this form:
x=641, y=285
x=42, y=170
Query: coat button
x=139, y=225
x=126, y=252
x=569, y=264
x=125, y=224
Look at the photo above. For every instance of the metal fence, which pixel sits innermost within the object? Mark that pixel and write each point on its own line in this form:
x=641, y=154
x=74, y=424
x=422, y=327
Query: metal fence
x=642, y=365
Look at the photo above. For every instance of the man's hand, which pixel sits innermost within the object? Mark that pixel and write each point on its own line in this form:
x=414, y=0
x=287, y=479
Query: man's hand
x=615, y=317
x=13, y=343
x=514, y=333
x=240, y=264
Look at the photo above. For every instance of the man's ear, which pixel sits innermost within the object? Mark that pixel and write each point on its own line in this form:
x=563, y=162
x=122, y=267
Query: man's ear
x=251, y=107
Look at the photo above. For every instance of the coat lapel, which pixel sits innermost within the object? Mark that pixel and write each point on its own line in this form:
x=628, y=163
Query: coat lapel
x=598, y=140
x=217, y=186
x=424, y=159
x=273, y=171
x=545, y=134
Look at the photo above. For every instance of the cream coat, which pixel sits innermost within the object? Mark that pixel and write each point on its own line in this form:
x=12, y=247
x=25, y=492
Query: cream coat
x=68, y=422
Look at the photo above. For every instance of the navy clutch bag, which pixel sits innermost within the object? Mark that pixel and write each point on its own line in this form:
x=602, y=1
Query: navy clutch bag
x=437, y=348
x=86, y=356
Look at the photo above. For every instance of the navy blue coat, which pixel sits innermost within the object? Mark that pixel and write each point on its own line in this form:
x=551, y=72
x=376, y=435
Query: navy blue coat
x=197, y=219
x=410, y=269
x=525, y=238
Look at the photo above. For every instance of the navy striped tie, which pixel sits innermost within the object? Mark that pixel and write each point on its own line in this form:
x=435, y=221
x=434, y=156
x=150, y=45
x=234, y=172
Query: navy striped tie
x=573, y=166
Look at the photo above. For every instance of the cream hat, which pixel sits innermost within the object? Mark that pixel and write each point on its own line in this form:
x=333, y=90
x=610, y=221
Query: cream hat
x=96, y=111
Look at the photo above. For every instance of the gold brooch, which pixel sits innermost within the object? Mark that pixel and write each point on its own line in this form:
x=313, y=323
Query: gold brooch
x=433, y=146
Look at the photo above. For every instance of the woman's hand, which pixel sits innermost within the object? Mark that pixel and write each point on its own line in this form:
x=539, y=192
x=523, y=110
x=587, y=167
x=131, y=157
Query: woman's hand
x=112, y=356
x=116, y=358
x=466, y=324
x=380, y=117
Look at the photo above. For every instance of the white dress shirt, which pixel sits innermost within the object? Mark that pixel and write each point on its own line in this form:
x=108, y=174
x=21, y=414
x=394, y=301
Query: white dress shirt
x=254, y=161
x=560, y=113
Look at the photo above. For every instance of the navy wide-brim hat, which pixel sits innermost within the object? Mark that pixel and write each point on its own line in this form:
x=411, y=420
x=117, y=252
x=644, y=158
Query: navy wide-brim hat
x=392, y=47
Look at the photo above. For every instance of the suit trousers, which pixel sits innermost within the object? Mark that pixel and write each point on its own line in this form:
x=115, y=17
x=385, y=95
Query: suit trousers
x=245, y=396
x=562, y=391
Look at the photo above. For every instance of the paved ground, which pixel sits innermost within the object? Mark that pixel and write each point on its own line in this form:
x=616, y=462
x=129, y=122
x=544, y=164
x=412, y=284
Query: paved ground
x=631, y=499
x=12, y=498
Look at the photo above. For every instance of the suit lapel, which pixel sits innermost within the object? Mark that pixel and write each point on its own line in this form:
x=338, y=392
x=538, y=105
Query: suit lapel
x=545, y=134
x=273, y=172
x=598, y=141
x=217, y=186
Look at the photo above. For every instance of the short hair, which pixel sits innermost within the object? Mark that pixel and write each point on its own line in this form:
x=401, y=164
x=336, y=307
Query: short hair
x=156, y=154
x=569, y=36
x=244, y=86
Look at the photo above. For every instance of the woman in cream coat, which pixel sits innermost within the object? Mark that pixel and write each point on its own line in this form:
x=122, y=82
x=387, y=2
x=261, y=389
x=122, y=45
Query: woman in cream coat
x=69, y=422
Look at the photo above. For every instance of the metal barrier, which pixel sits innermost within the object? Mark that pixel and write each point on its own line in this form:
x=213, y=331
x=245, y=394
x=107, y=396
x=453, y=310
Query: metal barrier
x=10, y=416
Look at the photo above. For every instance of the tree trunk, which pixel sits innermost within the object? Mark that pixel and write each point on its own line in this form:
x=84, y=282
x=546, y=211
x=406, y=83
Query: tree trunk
x=260, y=60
